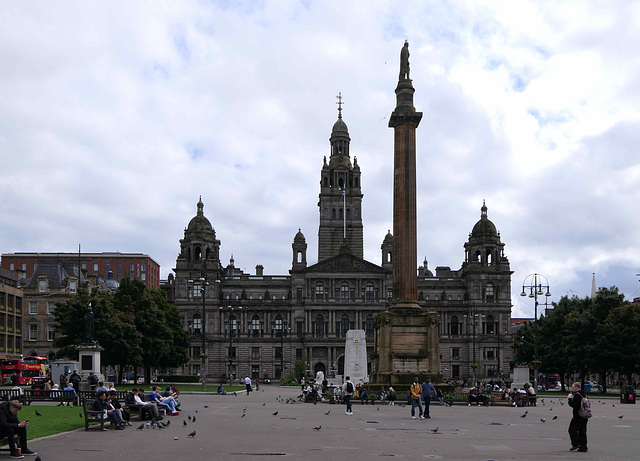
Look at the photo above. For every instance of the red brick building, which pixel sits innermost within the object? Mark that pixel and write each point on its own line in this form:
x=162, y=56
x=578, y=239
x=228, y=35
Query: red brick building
x=133, y=265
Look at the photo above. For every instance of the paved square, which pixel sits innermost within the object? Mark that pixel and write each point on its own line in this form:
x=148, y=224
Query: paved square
x=374, y=431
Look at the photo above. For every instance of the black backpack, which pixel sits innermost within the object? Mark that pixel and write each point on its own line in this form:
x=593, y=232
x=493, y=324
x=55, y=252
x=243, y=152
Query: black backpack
x=349, y=387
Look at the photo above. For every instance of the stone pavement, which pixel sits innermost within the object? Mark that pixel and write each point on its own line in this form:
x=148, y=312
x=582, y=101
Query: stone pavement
x=469, y=433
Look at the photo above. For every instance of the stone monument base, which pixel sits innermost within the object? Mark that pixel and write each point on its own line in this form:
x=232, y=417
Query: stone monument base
x=89, y=358
x=407, y=345
x=520, y=376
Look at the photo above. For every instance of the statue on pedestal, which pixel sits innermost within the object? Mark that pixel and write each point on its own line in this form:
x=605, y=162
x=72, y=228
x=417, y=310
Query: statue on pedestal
x=89, y=335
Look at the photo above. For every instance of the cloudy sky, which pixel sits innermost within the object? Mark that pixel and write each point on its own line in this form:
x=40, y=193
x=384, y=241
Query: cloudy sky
x=116, y=116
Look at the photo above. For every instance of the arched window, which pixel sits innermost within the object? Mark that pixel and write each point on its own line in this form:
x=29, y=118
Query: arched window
x=320, y=324
x=197, y=323
x=488, y=257
x=356, y=182
x=489, y=325
x=340, y=183
x=344, y=324
x=388, y=257
x=255, y=325
x=299, y=257
x=488, y=291
x=326, y=181
x=333, y=213
x=368, y=325
x=348, y=213
x=233, y=325
x=278, y=325
x=454, y=328
x=369, y=292
x=197, y=253
x=344, y=291
x=319, y=290
x=478, y=256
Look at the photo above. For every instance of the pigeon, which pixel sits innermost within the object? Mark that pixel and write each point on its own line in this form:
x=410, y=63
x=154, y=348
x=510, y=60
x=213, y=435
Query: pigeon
x=184, y=423
x=141, y=426
x=317, y=428
x=613, y=404
x=38, y=413
x=206, y=406
x=543, y=420
x=435, y=430
x=189, y=417
x=274, y=413
x=38, y=458
x=196, y=411
x=244, y=410
x=329, y=411
x=235, y=394
x=81, y=415
x=264, y=404
x=148, y=425
x=193, y=420
x=523, y=416
x=621, y=416
x=193, y=434
x=378, y=408
x=167, y=423
x=243, y=415
x=555, y=417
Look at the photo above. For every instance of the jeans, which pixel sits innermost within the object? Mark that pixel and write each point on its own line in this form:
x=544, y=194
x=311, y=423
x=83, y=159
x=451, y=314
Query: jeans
x=416, y=402
x=578, y=431
x=427, y=402
x=10, y=432
x=169, y=404
x=347, y=400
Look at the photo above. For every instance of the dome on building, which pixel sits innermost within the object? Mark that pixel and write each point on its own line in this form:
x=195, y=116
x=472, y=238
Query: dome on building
x=299, y=238
x=199, y=222
x=388, y=239
x=339, y=128
x=484, y=228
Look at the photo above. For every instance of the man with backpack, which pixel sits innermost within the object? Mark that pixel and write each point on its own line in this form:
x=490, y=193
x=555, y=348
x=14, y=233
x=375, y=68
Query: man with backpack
x=348, y=389
x=581, y=413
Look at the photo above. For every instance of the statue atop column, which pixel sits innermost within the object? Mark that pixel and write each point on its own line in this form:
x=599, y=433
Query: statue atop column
x=89, y=326
x=404, y=62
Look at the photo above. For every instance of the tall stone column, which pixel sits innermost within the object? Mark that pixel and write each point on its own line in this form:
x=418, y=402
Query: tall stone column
x=404, y=120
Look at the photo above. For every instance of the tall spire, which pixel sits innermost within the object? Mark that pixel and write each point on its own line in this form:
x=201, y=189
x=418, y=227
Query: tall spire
x=593, y=287
x=339, y=103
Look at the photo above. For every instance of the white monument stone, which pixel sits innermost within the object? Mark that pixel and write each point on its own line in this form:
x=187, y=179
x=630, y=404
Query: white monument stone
x=355, y=357
x=520, y=376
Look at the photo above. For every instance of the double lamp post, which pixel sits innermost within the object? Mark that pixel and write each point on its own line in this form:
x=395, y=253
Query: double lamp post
x=537, y=285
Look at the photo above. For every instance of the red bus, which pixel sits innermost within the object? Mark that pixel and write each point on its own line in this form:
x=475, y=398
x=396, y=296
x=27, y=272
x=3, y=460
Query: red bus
x=25, y=371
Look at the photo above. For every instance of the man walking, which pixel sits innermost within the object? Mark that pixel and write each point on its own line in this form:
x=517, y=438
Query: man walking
x=348, y=389
x=427, y=391
x=578, y=424
x=416, y=398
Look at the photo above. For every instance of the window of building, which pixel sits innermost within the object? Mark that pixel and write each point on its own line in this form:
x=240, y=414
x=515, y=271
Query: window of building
x=233, y=325
x=368, y=292
x=455, y=352
x=298, y=353
x=489, y=326
x=33, y=332
x=108, y=267
x=51, y=307
x=489, y=292
x=42, y=286
x=277, y=352
x=455, y=371
x=319, y=290
x=368, y=325
x=11, y=267
x=33, y=307
x=95, y=267
x=143, y=267
x=197, y=322
x=51, y=333
x=389, y=294
x=84, y=266
x=255, y=353
x=196, y=289
x=344, y=291
x=278, y=324
x=195, y=352
x=255, y=325
x=488, y=353
x=299, y=294
x=131, y=267
x=10, y=343
x=72, y=286
x=344, y=324
x=454, y=328
x=24, y=267
x=232, y=352
x=320, y=324
x=143, y=276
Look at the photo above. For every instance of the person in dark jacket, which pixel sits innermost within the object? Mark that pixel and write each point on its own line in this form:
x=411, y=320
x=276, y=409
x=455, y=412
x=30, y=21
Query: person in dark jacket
x=10, y=425
x=101, y=404
x=578, y=424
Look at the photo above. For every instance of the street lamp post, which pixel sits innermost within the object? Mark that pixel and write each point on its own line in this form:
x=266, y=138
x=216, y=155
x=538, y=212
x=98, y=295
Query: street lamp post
x=535, y=286
x=282, y=330
x=230, y=330
x=473, y=322
x=203, y=281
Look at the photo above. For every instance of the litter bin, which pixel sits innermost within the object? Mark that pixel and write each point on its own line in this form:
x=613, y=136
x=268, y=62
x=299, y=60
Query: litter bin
x=587, y=387
x=627, y=395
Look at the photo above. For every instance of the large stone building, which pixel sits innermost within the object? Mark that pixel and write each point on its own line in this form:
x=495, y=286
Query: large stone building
x=259, y=325
x=11, y=306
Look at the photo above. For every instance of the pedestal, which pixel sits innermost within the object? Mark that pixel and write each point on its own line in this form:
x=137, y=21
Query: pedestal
x=89, y=358
x=355, y=357
x=520, y=376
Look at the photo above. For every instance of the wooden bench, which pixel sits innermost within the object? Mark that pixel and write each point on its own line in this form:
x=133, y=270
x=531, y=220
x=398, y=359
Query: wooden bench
x=12, y=394
x=456, y=397
x=498, y=397
x=55, y=395
x=91, y=416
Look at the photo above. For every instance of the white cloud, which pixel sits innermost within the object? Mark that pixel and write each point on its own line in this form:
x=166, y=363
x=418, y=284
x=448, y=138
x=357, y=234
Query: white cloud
x=117, y=116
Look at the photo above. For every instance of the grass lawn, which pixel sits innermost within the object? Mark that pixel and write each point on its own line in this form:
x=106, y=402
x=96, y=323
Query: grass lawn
x=53, y=420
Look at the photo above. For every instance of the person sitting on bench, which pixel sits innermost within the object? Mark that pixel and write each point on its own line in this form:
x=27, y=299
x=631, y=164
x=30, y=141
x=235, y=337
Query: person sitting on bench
x=10, y=425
